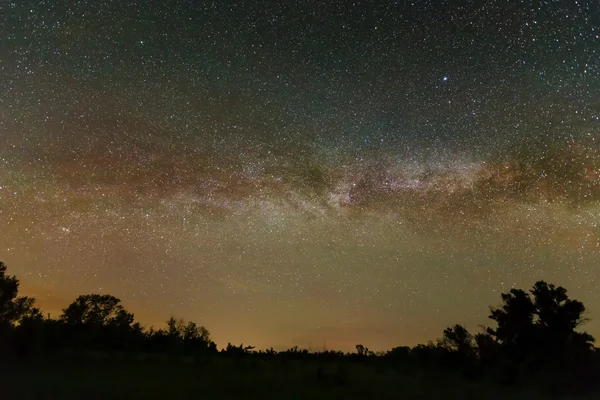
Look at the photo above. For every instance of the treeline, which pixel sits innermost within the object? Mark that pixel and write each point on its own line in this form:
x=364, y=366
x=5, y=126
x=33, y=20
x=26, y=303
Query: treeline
x=92, y=322
x=535, y=339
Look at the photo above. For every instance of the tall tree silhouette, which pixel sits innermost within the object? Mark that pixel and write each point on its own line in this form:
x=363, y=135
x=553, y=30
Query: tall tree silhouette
x=558, y=317
x=17, y=314
x=515, y=320
x=13, y=308
x=542, y=321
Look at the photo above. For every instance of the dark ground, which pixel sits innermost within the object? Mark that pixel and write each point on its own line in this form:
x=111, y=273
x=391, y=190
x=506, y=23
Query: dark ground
x=144, y=377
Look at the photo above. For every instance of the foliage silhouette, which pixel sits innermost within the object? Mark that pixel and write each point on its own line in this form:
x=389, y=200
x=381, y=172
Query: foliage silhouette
x=97, y=310
x=540, y=324
x=180, y=338
x=14, y=308
x=535, y=342
x=458, y=339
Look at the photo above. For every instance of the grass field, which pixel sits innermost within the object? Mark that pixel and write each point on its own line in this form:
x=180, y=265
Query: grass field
x=104, y=378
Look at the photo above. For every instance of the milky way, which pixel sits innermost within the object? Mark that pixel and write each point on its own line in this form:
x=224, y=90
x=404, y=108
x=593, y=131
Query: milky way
x=301, y=174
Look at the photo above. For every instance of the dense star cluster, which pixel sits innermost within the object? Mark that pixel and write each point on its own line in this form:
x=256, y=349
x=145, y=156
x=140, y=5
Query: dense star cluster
x=301, y=173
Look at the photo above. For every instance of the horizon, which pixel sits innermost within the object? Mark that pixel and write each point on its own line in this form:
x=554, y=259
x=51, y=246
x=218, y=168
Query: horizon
x=348, y=345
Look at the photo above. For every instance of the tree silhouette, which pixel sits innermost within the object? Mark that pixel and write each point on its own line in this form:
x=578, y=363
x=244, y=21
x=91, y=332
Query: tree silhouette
x=181, y=337
x=100, y=322
x=361, y=350
x=458, y=338
x=514, y=318
x=97, y=310
x=14, y=308
x=555, y=311
x=486, y=346
x=541, y=323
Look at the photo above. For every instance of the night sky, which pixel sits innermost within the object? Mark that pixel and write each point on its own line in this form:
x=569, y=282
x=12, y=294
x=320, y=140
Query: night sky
x=301, y=172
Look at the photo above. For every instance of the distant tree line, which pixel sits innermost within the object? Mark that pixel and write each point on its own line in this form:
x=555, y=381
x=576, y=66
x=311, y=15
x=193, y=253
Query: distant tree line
x=535, y=339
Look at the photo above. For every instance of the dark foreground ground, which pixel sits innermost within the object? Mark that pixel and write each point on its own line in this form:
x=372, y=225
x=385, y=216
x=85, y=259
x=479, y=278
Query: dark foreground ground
x=144, y=378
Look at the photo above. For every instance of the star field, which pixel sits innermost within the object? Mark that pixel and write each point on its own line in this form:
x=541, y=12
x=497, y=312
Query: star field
x=301, y=173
